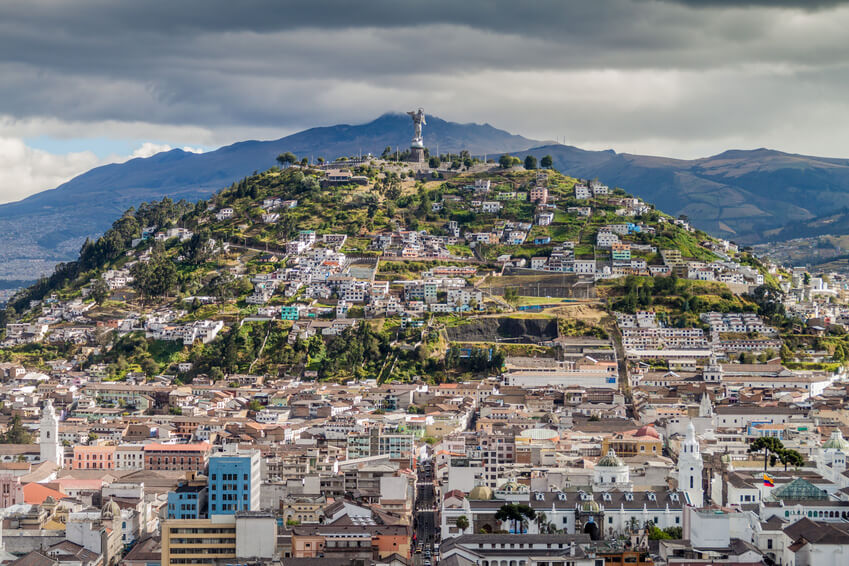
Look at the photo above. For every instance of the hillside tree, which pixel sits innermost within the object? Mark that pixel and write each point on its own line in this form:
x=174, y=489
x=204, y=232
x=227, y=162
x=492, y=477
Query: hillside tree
x=99, y=291
x=506, y=161
x=16, y=433
x=154, y=278
x=286, y=159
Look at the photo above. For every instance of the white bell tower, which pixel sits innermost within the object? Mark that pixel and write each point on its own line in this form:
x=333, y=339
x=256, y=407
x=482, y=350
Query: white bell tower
x=690, y=468
x=713, y=371
x=50, y=447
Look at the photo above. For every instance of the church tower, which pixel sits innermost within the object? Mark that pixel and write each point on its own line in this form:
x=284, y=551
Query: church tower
x=610, y=472
x=50, y=447
x=713, y=371
x=705, y=406
x=690, y=468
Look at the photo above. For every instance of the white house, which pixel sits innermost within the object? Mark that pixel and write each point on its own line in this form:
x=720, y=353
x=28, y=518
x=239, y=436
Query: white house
x=224, y=214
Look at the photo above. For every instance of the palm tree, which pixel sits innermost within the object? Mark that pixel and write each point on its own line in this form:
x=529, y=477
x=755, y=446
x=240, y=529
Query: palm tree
x=541, y=521
x=462, y=523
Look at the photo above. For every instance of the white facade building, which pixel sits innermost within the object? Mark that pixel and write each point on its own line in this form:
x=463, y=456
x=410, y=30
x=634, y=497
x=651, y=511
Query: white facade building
x=48, y=437
x=690, y=468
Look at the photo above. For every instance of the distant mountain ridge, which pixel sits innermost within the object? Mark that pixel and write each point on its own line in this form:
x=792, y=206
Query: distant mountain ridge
x=50, y=226
x=745, y=195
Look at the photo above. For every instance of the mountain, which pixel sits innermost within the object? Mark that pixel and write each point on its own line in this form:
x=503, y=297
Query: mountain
x=748, y=196
x=186, y=276
x=50, y=226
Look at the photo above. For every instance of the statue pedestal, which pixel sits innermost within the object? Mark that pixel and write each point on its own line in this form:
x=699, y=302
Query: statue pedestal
x=417, y=155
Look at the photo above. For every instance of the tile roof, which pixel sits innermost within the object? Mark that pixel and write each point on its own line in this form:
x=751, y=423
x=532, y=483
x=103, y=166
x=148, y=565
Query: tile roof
x=199, y=447
x=34, y=558
x=36, y=493
x=818, y=532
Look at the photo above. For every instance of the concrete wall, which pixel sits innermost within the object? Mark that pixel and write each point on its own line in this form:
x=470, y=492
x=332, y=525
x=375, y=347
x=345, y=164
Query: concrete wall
x=256, y=537
x=463, y=478
x=21, y=542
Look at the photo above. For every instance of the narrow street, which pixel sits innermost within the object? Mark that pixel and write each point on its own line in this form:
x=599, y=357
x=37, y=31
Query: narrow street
x=622, y=362
x=425, y=514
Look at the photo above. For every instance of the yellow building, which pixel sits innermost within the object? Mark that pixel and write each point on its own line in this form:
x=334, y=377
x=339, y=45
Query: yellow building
x=644, y=441
x=198, y=541
x=303, y=509
x=245, y=536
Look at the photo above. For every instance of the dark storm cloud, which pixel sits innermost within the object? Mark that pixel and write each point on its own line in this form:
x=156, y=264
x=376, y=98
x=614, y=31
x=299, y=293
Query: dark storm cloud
x=607, y=68
x=797, y=4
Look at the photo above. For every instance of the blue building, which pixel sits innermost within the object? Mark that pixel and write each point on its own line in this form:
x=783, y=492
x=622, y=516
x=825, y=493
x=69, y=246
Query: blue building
x=234, y=482
x=189, y=500
x=289, y=312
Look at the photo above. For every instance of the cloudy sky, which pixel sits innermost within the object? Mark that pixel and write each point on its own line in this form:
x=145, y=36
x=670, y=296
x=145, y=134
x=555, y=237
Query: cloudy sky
x=94, y=81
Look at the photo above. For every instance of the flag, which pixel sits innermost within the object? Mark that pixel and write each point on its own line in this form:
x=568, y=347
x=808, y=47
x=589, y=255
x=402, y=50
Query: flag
x=768, y=481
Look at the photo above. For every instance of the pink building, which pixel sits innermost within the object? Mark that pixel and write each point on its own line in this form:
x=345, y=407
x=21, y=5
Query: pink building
x=94, y=458
x=539, y=194
x=11, y=490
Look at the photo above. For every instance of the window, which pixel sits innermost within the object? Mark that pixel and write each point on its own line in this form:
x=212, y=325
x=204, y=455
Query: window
x=769, y=543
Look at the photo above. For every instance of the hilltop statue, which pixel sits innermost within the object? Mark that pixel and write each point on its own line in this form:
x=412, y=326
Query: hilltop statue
x=418, y=117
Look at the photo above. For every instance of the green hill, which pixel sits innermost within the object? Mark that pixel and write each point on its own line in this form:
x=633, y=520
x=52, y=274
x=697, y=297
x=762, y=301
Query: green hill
x=201, y=262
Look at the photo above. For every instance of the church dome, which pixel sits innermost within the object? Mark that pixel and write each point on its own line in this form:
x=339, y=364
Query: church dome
x=512, y=486
x=110, y=510
x=836, y=441
x=611, y=460
x=590, y=506
x=481, y=492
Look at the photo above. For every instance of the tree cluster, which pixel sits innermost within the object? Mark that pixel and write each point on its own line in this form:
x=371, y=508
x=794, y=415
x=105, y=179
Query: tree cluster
x=518, y=514
x=109, y=247
x=478, y=360
x=354, y=352
x=16, y=433
x=507, y=161
x=774, y=452
x=154, y=278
